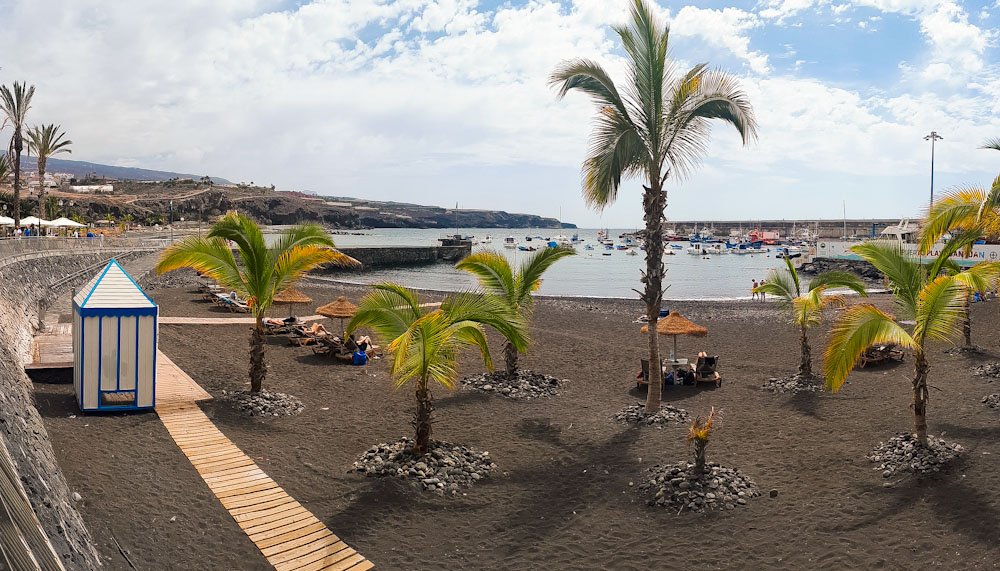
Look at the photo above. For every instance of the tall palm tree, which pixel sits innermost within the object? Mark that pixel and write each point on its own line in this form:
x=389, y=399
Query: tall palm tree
x=806, y=308
x=45, y=141
x=923, y=295
x=261, y=272
x=655, y=127
x=15, y=103
x=498, y=278
x=425, y=346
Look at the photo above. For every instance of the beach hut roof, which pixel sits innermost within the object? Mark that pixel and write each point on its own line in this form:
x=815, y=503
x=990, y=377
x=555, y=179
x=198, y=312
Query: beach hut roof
x=291, y=295
x=338, y=308
x=674, y=324
x=112, y=288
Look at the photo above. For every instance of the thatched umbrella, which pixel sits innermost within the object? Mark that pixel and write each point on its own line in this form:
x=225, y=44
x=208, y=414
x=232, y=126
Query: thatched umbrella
x=340, y=309
x=291, y=296
x=675, y=325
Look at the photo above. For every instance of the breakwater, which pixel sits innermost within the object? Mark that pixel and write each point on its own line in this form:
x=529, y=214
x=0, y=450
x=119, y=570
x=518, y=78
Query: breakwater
x=372, y=257
x=34, y=275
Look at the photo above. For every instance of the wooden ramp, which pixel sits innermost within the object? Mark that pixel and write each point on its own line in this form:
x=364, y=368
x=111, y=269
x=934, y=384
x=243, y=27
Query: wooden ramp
x=287, y=534
x=53, y=348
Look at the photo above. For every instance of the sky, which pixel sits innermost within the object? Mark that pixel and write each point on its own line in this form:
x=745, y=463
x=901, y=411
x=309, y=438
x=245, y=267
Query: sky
x=446, y=101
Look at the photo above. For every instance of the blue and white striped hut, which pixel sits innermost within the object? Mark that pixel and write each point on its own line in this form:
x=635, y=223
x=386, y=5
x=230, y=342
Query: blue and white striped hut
x=114, y=343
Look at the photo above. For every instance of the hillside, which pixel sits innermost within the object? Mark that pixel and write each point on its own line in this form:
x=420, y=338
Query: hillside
x=81, y=169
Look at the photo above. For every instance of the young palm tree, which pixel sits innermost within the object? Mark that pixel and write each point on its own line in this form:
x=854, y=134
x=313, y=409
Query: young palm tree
x=15, y=103
x=964, y=207
x=806, y=309
x=425, y=346
x=261, y=271
x=654, y=127
x=933, y=301
x=498, y=278
x=45, y=141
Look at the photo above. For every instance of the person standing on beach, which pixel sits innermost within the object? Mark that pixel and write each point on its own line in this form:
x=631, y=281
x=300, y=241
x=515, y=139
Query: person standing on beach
x=754, y=290
x=762, y=282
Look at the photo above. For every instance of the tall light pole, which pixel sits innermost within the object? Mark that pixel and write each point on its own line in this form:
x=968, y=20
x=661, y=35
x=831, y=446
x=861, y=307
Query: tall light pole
x=932, y=137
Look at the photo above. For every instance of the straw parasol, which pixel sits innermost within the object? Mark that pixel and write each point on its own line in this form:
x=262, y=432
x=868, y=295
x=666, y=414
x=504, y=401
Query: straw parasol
x=340, y=309
x=291, y=296
x=675, y=325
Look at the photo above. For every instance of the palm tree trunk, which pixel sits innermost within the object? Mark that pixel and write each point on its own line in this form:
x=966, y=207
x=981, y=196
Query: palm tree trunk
x=41, y=190
x=422, y=419
x=653, y=204
x=258, y=370
x=18, y=147
x=805, y=365
x=967, y=324
x=699, y=457
x=510, y=359
x=920, y=396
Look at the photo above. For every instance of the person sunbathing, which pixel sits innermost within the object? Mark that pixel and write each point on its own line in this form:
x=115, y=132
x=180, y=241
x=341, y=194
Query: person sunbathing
x=273, y=321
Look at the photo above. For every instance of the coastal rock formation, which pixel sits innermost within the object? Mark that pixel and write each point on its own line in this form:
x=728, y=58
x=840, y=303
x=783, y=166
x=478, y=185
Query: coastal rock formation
x=446, y=468
x=903, y=453
x=524, y=385
x=636, y=414
x=264, y=403
x=860, y=268
x=678, y=488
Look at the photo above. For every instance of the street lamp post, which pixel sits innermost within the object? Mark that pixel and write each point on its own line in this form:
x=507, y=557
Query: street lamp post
x=170, y=213
x=932, y=137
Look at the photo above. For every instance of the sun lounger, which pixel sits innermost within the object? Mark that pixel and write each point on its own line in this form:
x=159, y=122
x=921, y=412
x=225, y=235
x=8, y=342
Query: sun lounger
x=705, y=371
x=879, y=354
x=666, y=365
x=331, y=347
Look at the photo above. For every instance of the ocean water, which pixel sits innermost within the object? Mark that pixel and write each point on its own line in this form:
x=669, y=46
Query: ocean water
x=588, y=274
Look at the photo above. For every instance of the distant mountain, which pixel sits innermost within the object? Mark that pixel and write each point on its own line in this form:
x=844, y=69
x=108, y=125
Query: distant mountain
x=81, y=169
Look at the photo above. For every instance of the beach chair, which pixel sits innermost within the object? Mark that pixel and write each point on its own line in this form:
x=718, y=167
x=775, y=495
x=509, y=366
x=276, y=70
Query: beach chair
x=642, y=379
x=705, y=371
x=879, y=354
x=331, y=347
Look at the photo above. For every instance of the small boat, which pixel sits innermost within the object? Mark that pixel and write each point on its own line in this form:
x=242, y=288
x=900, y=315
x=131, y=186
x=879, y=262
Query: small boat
x=526, y=248
x=487, y=240
x=527, y=238
x=588, y=247
x=669, y=253
x=677, y=246
x=509, y=242
x=621, y=247
x=553, y=244
x=605, y=253
x=631, y=253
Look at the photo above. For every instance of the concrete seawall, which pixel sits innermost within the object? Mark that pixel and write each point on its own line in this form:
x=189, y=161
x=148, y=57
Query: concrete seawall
x=30, y=284
x=395, y=256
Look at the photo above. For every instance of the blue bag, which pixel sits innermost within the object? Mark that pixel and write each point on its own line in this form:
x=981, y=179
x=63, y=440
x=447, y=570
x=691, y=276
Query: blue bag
x=359, y=358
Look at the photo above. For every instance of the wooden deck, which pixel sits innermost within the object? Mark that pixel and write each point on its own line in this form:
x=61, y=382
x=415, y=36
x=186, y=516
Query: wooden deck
x=287, y=534
x=53, y=348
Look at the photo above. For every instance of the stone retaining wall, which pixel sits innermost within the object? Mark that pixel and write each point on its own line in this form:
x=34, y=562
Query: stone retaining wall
x=393, y=256
x=26, y=291
x=859, y=268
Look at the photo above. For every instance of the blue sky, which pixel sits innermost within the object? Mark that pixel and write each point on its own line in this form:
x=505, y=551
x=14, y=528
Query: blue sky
x=445, y=101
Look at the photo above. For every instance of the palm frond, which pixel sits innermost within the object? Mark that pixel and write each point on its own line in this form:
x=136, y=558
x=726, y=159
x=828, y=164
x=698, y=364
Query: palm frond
x=962, y=240
x=210, y=256
x=493, y=272
x=993, y=143
x=389, y=309
x=529, y=277
x=961, y=207
x=616, y=151
x=940, y=310
x=980, y=277
x=782, y=285
x=835, y=279
x=47, y=140
x=905, y=273
x=857, y=329
x=296, y=261
x=589, y=77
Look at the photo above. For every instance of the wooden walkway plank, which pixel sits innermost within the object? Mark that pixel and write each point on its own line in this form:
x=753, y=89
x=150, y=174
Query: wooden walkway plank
x=288, y=534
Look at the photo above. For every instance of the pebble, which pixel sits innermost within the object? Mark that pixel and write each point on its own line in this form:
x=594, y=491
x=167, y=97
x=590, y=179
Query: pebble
x=903, y=453
x=524, y=385
x=264, y=403
x=445, y=466
x=794, y=384
x=992, y=401
x=677, y=488
x=636, y=414
x=987, y=370
x=773, y=493
x=77, y=497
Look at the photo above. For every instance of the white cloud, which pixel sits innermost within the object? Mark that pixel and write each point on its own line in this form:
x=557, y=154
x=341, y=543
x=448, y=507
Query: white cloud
x=727, y=28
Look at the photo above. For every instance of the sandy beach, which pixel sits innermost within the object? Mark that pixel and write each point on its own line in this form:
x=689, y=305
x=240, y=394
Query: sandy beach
x=563, y=494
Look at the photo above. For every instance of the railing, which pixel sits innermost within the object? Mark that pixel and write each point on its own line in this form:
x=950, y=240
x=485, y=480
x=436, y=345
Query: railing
x=14, y=249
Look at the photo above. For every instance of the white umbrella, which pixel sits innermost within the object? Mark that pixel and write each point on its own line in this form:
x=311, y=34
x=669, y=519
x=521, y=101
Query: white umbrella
x=5, y=221
x=65, y=222
x=28, y=221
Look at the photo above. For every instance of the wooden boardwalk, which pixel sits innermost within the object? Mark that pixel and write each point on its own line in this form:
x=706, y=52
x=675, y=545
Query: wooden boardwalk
x=287, y=534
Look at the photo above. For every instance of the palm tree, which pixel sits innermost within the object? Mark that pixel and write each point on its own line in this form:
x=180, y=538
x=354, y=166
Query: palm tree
x=656, y=127
x=497, y=277
x=973, y=282
x=15, y=102
x=425, y=346
x=964, y=207
x=806, y=309
x=923, y=295
x=45, y=141
x=993, y=143
x=261, y=272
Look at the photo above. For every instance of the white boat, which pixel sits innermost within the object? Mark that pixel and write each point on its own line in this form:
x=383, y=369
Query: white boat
x=561, y=239
x=631, y=253
x=509, y=242
x=707, y=249
x=487, y=240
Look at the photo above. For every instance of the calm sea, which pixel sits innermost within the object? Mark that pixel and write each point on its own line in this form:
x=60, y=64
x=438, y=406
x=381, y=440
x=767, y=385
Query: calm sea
x=588, y=274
